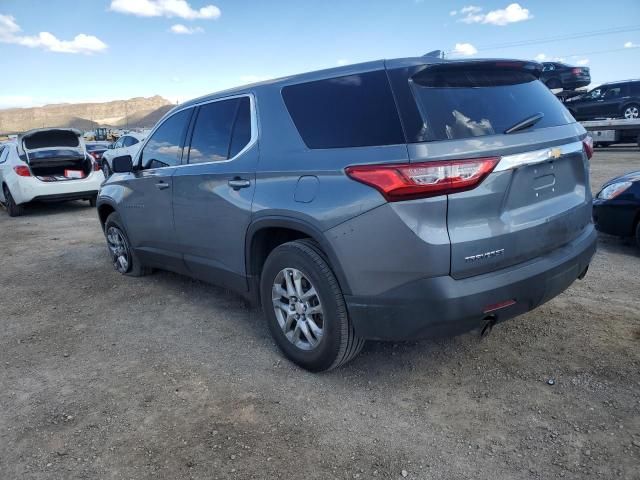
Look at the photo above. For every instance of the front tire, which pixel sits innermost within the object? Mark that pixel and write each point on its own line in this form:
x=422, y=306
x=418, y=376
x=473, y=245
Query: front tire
x=106, y=170
x=13, y=209
x=638, y=234
x=305, y=308
x=123, y=257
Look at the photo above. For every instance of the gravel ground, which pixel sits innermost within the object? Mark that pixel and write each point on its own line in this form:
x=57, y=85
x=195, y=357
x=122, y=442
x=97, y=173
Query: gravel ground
x=104, y=376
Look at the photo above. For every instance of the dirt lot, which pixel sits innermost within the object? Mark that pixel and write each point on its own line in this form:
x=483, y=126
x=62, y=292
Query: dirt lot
x=109, y=377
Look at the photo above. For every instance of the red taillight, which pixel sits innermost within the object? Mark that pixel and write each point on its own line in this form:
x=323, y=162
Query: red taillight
x=96, y=166
x=419, y=180
x=22, y=171
x=587, y=144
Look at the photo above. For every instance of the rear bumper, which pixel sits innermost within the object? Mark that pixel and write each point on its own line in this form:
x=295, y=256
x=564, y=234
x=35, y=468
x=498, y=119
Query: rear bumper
x=64, y=197
x=443, y=306
x=28, y=189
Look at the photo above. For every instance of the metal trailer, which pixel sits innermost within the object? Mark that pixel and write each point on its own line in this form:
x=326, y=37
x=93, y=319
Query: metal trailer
x=608, y=132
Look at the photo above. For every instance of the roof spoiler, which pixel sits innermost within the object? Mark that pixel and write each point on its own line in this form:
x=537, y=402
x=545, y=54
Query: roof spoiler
x=534, y=68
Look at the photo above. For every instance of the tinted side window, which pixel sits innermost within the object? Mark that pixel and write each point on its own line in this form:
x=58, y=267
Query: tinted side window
x=164, y=148
x=3, y=152
x=634, y=88
x=612, y=92
x=350, y=111
x=129, y=141
x=212, y=131
x=242, y=128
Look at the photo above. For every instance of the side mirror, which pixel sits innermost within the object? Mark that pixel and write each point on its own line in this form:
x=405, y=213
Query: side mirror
x=122, y=164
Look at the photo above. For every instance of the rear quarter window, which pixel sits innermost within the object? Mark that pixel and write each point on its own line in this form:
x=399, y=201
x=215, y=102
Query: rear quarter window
x=634, y=89
x=348, y=111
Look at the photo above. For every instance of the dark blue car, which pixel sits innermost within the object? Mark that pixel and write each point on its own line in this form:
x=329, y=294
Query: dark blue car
x=616, y=208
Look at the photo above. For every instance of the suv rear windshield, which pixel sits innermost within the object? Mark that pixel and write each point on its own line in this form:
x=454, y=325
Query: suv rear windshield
x=457, y=103
x=350, y=111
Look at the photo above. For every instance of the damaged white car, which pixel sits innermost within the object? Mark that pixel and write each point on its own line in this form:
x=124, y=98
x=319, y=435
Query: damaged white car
x=48, y=165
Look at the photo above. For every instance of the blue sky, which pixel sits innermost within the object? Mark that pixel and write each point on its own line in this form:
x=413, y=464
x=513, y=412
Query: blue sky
x=98, y=50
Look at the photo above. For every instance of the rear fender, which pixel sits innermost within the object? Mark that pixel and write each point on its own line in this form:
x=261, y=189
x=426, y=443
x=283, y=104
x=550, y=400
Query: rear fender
x=307, y=229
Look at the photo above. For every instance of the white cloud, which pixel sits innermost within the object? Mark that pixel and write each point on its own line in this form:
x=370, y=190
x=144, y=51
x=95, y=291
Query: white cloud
x=583, y=62
x=511, y=14
x=184, y=30
x=470, y=9
x=541, y=57
x=342, y=62
x=631, y=45
x=165, y=8
x=464, y=49
x=453, y=13
x=81, y=43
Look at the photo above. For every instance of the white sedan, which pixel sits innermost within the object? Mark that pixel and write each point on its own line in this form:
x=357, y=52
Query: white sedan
x=128, y=144
x=49, y=165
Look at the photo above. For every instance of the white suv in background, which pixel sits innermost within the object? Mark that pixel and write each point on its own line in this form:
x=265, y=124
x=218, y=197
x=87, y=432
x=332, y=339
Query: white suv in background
x=128, y=144
x=49, y=165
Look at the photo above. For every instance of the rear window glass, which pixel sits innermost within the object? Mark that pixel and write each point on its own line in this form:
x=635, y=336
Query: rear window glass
x=456, y=103
x=349, y=111
x=91, y=147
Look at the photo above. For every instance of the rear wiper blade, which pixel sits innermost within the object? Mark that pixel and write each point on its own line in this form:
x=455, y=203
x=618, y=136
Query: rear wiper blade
x=526, y=123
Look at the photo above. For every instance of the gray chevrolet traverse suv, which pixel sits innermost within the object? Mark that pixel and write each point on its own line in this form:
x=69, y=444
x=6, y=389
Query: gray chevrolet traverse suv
x=392, y=200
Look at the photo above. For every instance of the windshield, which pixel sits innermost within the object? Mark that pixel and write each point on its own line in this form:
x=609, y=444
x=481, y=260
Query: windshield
x=456, y=104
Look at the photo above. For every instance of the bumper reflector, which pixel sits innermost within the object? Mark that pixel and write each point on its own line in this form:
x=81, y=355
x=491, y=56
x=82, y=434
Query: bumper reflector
x=498, y=306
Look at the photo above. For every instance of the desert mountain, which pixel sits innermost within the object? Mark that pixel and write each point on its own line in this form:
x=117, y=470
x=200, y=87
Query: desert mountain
x=135, y=112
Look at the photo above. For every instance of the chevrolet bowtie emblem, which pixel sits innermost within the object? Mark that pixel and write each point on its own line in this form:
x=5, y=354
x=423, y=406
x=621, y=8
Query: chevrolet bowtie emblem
x=555, y=153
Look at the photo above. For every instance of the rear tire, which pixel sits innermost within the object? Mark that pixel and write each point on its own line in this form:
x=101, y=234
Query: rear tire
x=638, y=234
x=12, y=209
x=631, y=111
x=297, y=277
x=123, y=257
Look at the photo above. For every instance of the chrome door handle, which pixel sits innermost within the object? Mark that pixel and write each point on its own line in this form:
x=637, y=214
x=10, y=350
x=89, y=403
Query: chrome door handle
x=238, y=183
x=162, y=185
